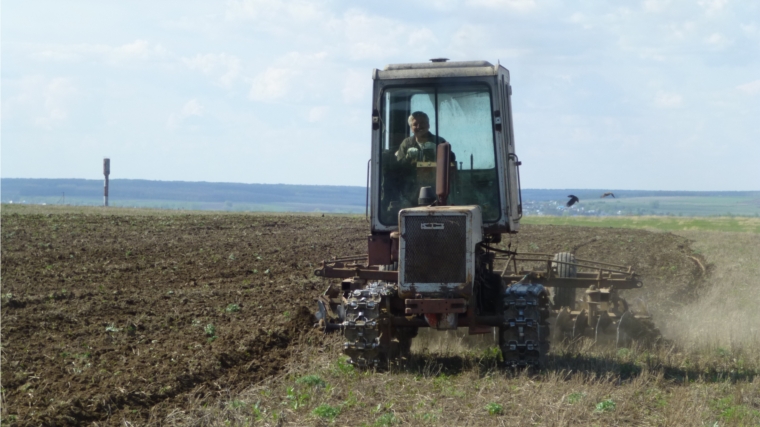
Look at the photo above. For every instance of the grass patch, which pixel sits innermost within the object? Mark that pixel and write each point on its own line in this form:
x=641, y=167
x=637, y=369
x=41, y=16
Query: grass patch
x=582, y=384
x=574, y=398
x=326, y=411
x=311, y=380
x=606, y=405
x=732, y=224
x=494, y=409
x=387, y=419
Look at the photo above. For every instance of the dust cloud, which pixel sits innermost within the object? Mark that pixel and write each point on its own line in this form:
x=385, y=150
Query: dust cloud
x=725, y=311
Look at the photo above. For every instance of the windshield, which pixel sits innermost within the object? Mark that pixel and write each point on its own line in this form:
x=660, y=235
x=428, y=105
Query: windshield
x=415, y=120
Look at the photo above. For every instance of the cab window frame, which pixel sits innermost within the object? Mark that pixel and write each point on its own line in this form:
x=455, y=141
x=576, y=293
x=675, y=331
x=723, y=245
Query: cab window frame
x=385, y=134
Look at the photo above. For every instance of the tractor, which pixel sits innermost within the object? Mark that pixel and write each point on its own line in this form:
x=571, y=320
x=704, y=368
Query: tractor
x=444, y=186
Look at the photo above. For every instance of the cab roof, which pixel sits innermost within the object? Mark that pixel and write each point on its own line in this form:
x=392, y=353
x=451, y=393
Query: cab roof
x=439, y=68
x=437, y=63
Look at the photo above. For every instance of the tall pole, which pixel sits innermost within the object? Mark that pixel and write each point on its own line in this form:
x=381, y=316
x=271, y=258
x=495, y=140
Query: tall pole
x=106, y=172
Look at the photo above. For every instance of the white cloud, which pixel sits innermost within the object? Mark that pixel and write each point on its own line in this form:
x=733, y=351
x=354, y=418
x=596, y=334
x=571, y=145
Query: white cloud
x=190, y=108
x=56, y=54
x=717, y=41
x=316, y=114
x=668, y=100
x=655, y=5
x=56, y=95
x=276, y=81
x=372, y=37
x=422, y=39
x=580, y=19
x=512, y=5
x=138, y=50
x=271, y=84
x=223, y=67
x=356, y=86
x=681, y=30
x=577, y=18
x=441, y=5
x=352, y=33
x=466, y=38
x=712, y=6
x=749, y=29
x=43, y=102
x=266, y=9
x=751, y=88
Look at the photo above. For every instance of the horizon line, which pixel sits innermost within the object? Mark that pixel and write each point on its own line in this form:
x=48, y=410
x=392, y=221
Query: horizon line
x=359, y=186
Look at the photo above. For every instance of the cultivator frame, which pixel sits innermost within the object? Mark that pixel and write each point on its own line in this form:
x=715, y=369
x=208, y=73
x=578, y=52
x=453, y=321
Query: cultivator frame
x=601, y=314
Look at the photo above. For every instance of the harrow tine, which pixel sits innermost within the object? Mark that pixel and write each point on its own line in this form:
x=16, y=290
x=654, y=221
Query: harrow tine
x=563, y=324
x=579, y=327
x=602, y=323
x=624, y=319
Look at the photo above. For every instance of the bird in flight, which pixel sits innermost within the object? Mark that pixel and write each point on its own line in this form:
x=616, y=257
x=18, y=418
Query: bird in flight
x=607, y=194
x=573, y=200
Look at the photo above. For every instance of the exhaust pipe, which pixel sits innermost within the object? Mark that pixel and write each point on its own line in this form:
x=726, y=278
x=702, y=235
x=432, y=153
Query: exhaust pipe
x=443, y=161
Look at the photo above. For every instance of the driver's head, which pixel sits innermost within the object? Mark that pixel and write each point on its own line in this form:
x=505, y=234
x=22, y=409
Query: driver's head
x=420, y=123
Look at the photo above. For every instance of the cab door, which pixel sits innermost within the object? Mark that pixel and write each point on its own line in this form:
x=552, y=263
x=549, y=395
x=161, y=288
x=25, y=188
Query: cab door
x=512, y=161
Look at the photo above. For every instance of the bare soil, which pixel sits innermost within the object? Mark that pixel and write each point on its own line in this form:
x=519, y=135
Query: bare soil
x=113, y=318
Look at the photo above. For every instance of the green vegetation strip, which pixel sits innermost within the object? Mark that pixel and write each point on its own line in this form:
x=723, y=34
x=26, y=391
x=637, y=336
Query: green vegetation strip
x=583, y=384
x=734, y=224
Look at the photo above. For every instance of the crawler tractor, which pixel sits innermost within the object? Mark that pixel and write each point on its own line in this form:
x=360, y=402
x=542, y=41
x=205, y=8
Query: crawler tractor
x=439, y=201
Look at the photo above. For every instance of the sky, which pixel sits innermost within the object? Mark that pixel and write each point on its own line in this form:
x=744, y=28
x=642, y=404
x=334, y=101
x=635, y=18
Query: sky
x=650, y=95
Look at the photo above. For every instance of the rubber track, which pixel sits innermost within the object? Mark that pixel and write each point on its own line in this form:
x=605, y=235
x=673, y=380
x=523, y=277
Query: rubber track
x=364, y=324
x=524, y=337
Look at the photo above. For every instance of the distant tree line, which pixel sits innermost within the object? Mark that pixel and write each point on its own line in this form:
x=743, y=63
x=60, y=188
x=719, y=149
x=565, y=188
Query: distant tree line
x=542, y=195
x=306, y=198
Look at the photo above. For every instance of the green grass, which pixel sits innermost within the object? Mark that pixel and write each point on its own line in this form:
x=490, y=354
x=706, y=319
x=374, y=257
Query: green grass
x=326, y=411
x=311, y=380
x=583, y=384
x=494, y=409
x=606, y=405
x=664, y=223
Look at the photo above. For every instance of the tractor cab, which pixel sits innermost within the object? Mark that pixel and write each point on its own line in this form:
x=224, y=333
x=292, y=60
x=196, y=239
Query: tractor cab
x=417, y=109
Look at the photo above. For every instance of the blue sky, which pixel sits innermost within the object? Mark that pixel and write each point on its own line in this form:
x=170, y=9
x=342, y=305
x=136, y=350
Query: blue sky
x=654, y=94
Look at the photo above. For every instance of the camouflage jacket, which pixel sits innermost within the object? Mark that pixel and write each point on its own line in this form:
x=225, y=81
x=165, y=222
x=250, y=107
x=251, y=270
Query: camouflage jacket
x=411, y=142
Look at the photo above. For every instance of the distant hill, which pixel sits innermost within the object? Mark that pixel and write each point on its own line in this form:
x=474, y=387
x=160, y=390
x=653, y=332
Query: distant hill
x=347, y=199
x=540, y=195
x=187, y=195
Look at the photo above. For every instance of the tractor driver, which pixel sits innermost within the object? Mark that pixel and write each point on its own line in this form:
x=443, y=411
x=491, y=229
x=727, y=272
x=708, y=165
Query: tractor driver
x=422, y=145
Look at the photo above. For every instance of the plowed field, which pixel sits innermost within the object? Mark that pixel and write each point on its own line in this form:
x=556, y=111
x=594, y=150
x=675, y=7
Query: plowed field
x=129, y=316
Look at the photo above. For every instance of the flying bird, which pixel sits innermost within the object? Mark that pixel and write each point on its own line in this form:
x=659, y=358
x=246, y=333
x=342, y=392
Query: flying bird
x=573, y=200
x=607, y=194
